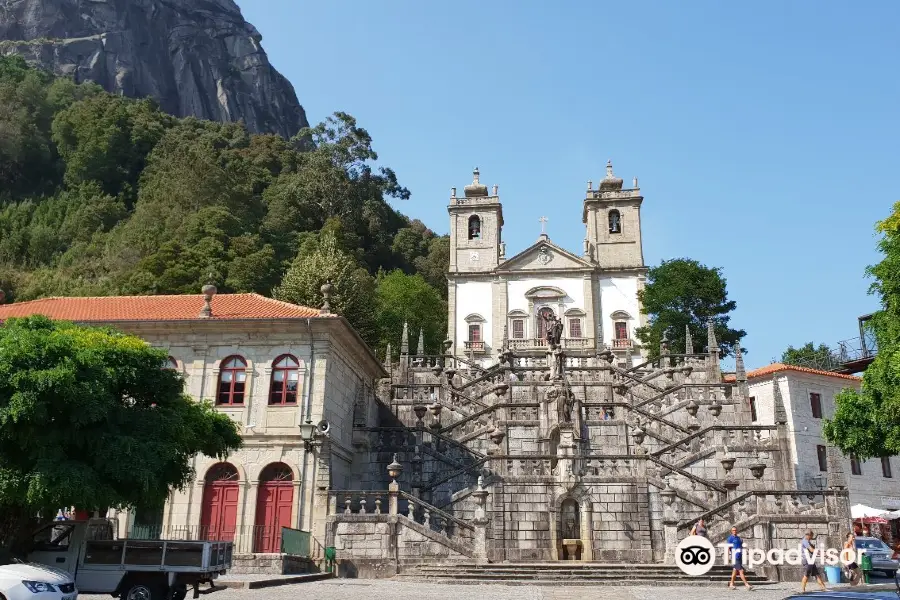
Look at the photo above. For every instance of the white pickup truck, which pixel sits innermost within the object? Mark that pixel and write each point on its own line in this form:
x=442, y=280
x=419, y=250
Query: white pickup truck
x=129, y=569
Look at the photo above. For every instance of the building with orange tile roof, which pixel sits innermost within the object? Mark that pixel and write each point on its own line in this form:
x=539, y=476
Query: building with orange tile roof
x=273, y=367
x=808, y=397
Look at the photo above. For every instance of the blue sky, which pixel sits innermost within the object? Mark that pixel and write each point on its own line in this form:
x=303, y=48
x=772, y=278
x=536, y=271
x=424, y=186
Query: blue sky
x=764, y=134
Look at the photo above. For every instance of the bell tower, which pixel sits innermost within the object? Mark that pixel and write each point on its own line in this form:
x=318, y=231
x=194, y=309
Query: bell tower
x=476, y=222
x=612, y=216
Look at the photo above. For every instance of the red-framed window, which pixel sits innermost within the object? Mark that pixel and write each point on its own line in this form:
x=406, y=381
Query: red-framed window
x=232, y=381
x=575, y=328
x=621, y=330
x=475, y=332
x=285, y=380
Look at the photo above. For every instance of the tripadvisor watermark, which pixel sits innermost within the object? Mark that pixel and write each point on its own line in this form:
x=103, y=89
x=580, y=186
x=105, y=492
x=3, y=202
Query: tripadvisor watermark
x=696, y=555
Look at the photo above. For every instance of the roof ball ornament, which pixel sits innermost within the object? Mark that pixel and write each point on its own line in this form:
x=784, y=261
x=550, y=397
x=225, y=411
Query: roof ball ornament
x=208, y=290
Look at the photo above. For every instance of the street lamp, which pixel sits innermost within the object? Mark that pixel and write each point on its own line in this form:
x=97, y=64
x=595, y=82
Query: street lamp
x=308, y=434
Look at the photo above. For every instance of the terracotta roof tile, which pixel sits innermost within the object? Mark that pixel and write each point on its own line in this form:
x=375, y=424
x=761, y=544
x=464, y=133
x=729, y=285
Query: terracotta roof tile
x=779, y=367
x=158, y=308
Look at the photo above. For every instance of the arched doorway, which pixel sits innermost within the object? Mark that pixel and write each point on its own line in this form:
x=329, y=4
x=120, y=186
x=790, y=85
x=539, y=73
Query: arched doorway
x=218, y=515
x=570, y=528
x=274, y=507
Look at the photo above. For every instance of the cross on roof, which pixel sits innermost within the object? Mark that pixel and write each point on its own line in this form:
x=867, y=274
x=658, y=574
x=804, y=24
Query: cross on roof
x=543, y=221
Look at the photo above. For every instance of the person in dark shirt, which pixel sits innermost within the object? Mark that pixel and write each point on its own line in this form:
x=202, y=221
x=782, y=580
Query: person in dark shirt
x=736, y=545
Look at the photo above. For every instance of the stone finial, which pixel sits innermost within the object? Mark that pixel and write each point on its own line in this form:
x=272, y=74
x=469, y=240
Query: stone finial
x=420, y=347
x=453, y=192
x=610, y=182
x=590, y=185
x=502, y=250
x=326, y=290
x=476, y=189
x=387, y=354
x=664, y=343
x=740, y=373
x=404, y=340
x=496, y=190
x=780, y=412
x=713, y=345
x=635, y=183
x=209, y=291
x=586, y=246
x=629, y=360
x=688, y=340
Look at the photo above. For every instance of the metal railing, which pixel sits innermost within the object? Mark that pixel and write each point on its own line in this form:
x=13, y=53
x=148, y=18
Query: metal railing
x=263, y=539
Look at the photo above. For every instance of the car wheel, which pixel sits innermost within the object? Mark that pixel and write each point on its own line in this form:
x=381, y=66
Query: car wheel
x=142, y=591
x=180, y=592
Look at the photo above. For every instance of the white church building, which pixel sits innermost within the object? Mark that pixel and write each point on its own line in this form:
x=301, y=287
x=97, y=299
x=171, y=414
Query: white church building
x=495, y=300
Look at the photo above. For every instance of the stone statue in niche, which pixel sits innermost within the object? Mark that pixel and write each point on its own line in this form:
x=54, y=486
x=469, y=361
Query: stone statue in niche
x=570, y=529
x=553, y=326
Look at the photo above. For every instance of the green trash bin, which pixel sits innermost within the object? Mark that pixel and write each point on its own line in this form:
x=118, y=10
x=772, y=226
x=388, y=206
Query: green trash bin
x=330, y=553
x=865, y=564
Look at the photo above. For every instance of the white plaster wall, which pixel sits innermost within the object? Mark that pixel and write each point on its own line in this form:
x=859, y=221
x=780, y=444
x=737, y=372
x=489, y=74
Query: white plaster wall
x=516, y=289
x=618, y=293
x=473, y=297
x=806, y=433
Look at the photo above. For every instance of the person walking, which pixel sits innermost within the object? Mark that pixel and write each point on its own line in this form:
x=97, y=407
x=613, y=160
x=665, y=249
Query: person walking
x=736, y=544
x=807, y=548
x=699, y=528
x=850, y=551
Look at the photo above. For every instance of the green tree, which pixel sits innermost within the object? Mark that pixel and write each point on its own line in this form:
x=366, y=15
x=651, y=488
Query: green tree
x=88, y=417
x=809, y=356
x=867, y=423
x=403, y=298
x=106, y=139
x=682, y=292
x=353, y=287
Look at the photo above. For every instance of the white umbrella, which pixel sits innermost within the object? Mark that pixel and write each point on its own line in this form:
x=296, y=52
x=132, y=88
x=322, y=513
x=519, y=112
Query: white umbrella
x=861, y=511
x=891, y=515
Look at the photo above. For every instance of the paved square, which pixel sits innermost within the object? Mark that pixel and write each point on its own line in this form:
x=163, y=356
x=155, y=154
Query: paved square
x=358, y=589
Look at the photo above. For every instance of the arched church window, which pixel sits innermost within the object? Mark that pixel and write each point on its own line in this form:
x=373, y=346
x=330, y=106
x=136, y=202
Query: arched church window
x=615, y=221
x=474, y=227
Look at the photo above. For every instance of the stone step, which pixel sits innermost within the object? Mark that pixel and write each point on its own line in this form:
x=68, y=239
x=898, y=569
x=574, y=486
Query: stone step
x=580, y=573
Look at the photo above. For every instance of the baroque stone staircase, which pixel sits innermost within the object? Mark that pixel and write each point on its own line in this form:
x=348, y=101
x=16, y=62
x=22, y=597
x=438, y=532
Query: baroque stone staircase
x=572, y=573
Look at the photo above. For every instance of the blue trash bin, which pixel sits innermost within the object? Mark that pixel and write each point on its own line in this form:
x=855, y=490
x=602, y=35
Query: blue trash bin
x=833, y=573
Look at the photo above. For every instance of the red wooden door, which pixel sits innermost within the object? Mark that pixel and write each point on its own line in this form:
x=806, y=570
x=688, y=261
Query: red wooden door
x=273, y=511
x=218, y=517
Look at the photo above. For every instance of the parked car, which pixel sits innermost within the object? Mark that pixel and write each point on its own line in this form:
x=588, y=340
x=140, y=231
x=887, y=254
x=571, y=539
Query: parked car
x=23, y=581
x=882, y=555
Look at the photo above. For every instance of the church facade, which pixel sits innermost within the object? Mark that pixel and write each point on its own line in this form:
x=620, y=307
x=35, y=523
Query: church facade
x=497, y=301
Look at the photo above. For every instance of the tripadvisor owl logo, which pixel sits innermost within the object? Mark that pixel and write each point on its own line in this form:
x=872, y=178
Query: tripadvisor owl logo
x=695, y=555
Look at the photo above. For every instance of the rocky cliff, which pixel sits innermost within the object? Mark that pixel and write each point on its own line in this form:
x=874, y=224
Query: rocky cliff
x=196, y=57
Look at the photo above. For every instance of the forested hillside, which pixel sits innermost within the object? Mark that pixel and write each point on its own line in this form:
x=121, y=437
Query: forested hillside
x=103, y=195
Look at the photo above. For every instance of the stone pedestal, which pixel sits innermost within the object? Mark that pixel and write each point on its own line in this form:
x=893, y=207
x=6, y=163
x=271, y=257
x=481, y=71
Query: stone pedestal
x=572, y=548
x=670, y=534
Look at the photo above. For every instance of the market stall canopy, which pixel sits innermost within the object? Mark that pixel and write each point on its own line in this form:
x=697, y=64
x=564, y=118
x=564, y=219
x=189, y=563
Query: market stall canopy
x=867, y=514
